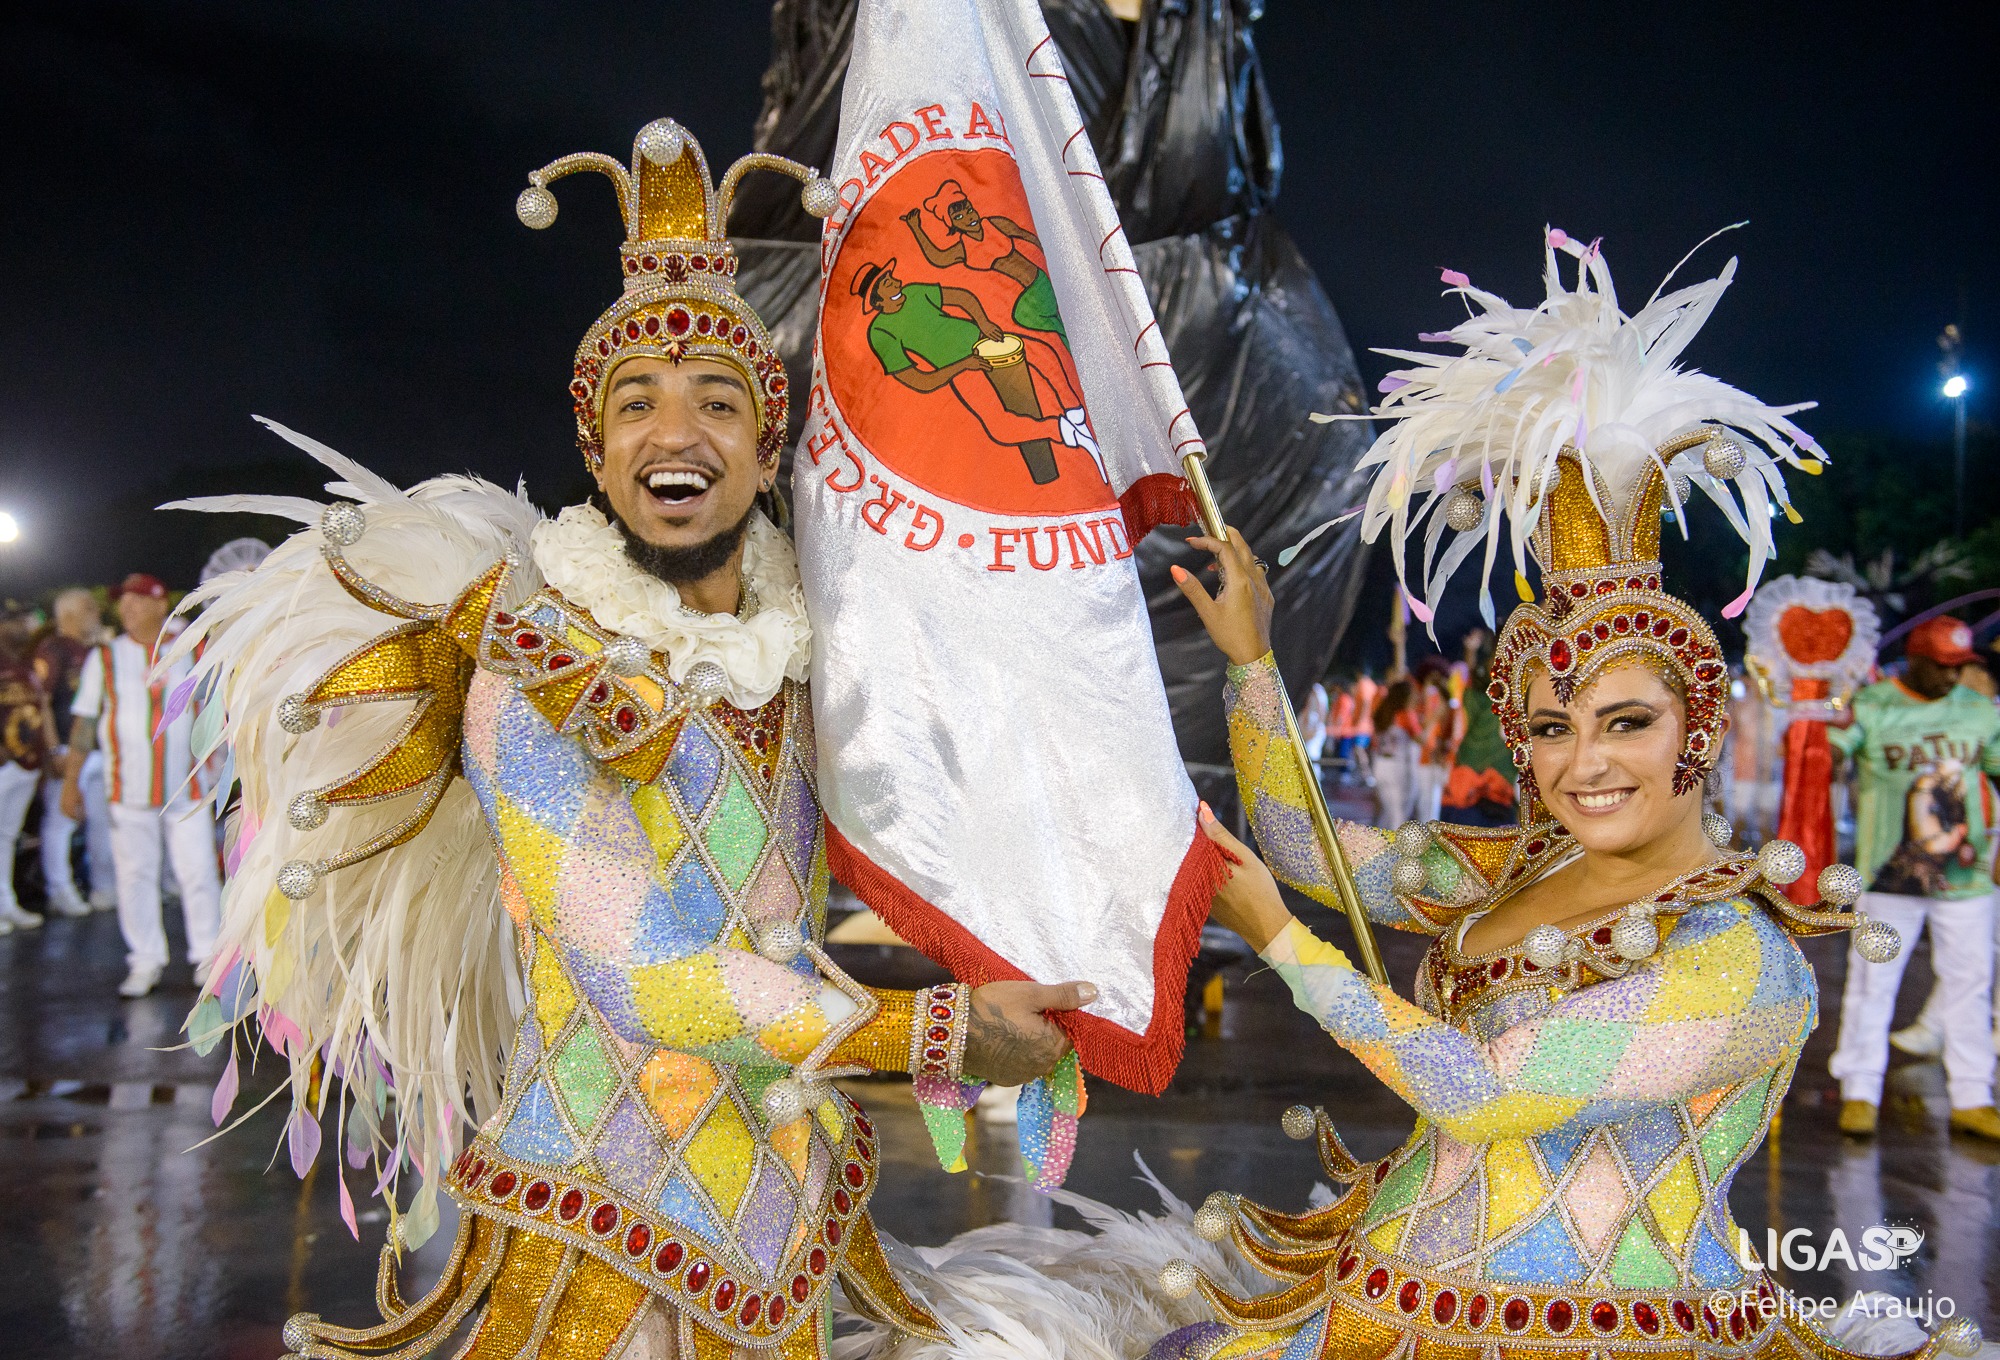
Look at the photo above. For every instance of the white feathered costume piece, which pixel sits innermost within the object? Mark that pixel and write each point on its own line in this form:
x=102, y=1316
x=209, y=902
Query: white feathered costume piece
x=399, y=976
x=1480, y=432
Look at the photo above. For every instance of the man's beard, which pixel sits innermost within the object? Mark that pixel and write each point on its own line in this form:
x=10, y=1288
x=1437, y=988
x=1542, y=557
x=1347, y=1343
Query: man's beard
x=677, y=566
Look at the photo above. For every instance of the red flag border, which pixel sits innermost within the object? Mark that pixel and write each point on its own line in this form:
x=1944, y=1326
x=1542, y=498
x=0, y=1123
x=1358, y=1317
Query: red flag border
x=1143, y=1063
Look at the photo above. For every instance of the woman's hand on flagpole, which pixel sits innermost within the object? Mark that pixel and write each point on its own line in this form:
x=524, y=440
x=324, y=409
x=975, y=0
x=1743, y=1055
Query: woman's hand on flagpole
x=1009, y=1038
x=1248, y=903
x=1238, y=615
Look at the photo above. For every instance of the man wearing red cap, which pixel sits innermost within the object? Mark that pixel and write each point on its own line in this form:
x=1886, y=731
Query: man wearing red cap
x=1922, y=744
x=156, y=805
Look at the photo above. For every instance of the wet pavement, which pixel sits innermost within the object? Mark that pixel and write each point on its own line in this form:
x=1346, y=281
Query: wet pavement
x=124, y=1233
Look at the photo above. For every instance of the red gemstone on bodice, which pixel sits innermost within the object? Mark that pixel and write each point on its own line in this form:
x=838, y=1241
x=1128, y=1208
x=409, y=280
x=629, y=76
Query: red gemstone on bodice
x=697, y=1277
x=537, y=1198
x=603, y=1219
x=1378, y=1282
x=1409, y=1296
x=1444, y=1307
x=1475, y=1312
x=725, y=1294
x=1515, y=1314
x=1647, y=1316
x=1561, y=1315
x=1604, y=1315
x=1683, y=1315
x=503, y=1185
x=571, y=1205
x=668, y=1258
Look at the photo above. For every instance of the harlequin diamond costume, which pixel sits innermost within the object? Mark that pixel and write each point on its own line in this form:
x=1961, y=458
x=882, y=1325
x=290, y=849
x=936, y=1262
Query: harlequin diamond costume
x=1586, y=1095
x=603, y=942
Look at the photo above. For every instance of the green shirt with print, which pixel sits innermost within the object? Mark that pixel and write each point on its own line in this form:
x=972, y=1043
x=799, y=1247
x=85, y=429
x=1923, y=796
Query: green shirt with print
x=921, y=326
x=1897, y=737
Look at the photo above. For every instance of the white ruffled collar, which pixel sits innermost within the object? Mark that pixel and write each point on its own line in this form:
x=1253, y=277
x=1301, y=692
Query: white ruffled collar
x=582, y=556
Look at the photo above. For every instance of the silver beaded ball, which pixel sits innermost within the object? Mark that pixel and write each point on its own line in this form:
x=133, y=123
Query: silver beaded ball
x=1177, y=1279
x=342, y=523
x=298, y=1330
x=662, y=141
x=1544, y=946
x=1212, y=1219
x=819, y=197
x=1876, y=941
x=1634, y=936
x=298, y=879
x=297, y=716
x=1463, y=510
x=626, y=656
x=536, y=207
x=1840, y=885
x=307, y=812
x=1299, y=1121
x=1718, y=830
x=1960, y=1336
x=1412, y=839
x=705, y=678
x=1722, y=457
x=1781, y=862
x=1409, y=877
x=785, y=1100
x=1683, y=488
x=780, y=942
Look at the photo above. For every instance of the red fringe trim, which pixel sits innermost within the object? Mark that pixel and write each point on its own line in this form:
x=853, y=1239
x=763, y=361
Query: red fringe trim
x=1155, y=499
x=1139, y=1062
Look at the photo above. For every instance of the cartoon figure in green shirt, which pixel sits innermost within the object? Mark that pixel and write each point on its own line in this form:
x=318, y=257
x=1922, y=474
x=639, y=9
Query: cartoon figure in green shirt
x=1922, y=746
x=931, y=336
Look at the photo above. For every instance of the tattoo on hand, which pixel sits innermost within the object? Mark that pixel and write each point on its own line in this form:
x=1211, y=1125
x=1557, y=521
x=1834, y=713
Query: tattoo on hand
x=1008, y=1053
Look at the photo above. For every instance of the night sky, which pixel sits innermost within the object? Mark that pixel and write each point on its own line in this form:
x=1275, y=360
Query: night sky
x=305, y=211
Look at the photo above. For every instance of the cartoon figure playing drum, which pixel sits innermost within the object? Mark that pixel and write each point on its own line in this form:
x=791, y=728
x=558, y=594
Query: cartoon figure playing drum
x=931, y=336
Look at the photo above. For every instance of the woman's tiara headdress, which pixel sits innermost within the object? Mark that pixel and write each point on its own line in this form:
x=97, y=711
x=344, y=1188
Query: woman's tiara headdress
x=1571, y=430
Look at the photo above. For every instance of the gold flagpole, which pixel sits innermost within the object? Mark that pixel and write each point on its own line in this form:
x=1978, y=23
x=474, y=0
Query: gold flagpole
x=1343, y=878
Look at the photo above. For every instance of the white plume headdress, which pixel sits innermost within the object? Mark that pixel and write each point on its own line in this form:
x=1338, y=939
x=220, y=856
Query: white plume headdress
x=1481, y=432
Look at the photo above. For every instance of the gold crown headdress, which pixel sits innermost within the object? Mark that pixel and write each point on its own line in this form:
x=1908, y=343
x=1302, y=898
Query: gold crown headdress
x=1576, y=420
x=680, y=299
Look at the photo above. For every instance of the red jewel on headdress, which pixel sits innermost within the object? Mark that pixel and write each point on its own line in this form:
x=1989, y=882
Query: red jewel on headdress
x=1559, y=654
x=1678, y=638
x=603, y=344
x=652, y=325
x=679, y=320
x=704, y=323
x=1660, y=627
x=631, y=265
x=632, y=329
x=1578, y=589
x=699, y=262
x=777, y=384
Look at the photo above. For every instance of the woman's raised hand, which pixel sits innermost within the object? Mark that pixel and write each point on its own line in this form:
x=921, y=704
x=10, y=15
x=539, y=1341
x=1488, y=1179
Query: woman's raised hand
x=1238, y=615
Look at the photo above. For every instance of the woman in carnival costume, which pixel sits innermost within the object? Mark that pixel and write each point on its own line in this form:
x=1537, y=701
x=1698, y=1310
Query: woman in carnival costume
x=599, y=952
x=1613, y=1005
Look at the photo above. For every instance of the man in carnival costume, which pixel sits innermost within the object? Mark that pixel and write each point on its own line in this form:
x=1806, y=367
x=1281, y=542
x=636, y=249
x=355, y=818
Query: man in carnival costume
x=661, y=1165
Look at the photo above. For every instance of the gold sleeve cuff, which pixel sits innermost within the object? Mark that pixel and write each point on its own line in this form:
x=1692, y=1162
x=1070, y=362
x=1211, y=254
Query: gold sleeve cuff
x=883, y=1044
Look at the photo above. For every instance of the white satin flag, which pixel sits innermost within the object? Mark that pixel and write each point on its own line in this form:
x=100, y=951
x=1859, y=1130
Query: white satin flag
x=993, y=422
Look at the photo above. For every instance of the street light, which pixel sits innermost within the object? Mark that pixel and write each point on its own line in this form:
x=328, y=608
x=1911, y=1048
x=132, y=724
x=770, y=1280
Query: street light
x=10, y=528
x=1951, y=348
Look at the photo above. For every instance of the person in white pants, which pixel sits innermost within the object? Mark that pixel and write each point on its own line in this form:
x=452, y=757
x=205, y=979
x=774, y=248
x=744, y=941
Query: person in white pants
x=1398, y=748
x=24, y=744
x=1923, y=746
x=156, y=803
x=59, y=659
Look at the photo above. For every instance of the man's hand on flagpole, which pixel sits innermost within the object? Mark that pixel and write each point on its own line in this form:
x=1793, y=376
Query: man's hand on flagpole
x=1249, y=903
x=1238, y=615
x=1009, y=1038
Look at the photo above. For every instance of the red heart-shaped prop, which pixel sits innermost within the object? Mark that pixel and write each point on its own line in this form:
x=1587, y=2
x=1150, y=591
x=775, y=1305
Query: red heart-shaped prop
x=1815, y=635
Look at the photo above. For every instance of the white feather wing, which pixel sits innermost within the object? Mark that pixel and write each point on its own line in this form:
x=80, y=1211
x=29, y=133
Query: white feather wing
x=400, y=973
